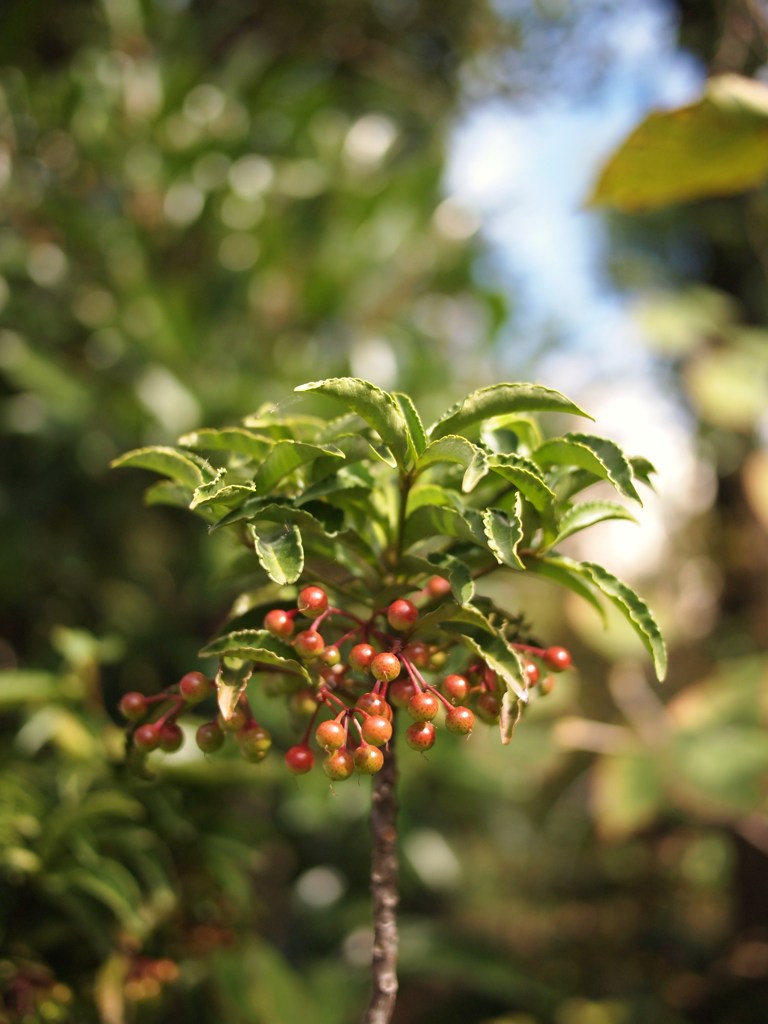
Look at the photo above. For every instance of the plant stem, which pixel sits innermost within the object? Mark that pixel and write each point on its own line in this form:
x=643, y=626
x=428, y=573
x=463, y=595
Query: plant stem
x=384, y=892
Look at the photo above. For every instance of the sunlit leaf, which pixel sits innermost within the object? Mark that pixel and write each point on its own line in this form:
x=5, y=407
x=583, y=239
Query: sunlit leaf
x=286, y=456
x=715, y=146
x=416, y=433
x=596, y=455
x=257, y=646
x=185, y=468
x=634, y=610
x=586, y=514
x=501, y=400
x=228, y=439
x=378, y=408
x=504, y=531
x=279, y=549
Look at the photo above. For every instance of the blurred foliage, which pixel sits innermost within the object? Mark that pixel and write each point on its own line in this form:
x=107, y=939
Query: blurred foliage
x=206, y=203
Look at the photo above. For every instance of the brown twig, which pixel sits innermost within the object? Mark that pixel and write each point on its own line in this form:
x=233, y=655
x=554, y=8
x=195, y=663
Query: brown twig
x=384, y=892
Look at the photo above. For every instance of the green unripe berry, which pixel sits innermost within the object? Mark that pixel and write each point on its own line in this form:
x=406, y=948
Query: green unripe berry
x=209, y=737
x=254, y=739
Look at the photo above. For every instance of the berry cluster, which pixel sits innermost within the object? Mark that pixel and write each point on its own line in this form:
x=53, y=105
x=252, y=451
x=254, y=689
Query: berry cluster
x=371, y=667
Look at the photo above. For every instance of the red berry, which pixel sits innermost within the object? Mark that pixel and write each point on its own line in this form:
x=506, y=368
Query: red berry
x=547, y=685
x=368, y=759
x=488, y=707
x=171, y=737
x=312, y=601
x=385, y=667
x=331, y=735
x=417, y=653
x=279, y=623
x=455, y=687
x=147, y=737
x=420, y=735
x=209, y=737
x=423, y=706
x=374, y=704
x=400, y=692
x=438, y=586
x=339, y=765
x=460, y=721
x=309, y=644
x=531, y=672
x=133, y=705
x=254, y=740
x=557, y=658
x=195, y=686
x=377, y=730
x=361, y=656
x=299, y=759
x=402, y=614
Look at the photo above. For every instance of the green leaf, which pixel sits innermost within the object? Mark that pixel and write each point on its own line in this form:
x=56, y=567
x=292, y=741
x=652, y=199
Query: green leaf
x=431, y=494
x=504, y=531
x=586, y=514
x=566, y=573
x=166, y=492
x=642, y=469
x=220, y=497
x=457, y=574
x=185, y=468
x=21, y=686
x=634, y=610
x=475, y=471
x=416, y=433
x=501, y=400
x=432, y=521
x=267, y=594
x=228, y=439
x=450, y=448
x=501, y=658
x=285, y=457
x=597, y=455
x=378, y=408
x=526, y=476
x=524, y=429
x=112, y=885
x=279, y=550
x=257, y=646
x=715, y=146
